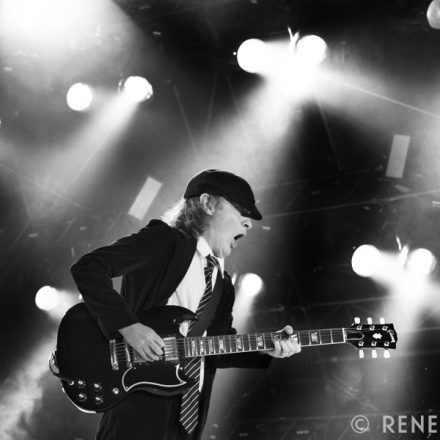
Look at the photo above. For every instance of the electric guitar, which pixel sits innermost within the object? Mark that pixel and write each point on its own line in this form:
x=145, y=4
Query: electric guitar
x=96, y=374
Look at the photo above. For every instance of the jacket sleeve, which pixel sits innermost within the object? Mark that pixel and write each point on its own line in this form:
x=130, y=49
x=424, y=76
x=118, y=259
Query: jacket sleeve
x=94, y=271
x=238, y=360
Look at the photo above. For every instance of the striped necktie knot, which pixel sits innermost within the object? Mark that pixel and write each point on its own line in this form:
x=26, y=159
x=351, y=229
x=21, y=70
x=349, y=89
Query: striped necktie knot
x=211, y=262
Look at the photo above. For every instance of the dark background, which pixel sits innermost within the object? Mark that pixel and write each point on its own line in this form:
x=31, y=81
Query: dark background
x=321, y=186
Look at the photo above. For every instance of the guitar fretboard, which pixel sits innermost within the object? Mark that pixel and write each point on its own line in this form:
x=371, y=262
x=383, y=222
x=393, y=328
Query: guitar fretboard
x=214, y=345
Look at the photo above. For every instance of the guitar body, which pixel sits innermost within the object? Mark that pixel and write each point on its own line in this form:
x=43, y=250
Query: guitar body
x=97, y=374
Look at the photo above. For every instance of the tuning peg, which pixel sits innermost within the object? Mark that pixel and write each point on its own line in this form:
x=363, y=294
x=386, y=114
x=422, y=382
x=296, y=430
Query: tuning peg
x=361, y=354
x=382, y=320
x=357, y=320
x=374, y=354
x=386, y=354
x=369, y=321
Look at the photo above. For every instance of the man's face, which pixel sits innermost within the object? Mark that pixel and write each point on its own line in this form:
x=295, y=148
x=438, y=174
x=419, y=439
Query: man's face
x=225, y=228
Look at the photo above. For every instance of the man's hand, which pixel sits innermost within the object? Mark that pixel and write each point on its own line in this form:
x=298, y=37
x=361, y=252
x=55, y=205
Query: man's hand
x=144, y=340
x=285, y=347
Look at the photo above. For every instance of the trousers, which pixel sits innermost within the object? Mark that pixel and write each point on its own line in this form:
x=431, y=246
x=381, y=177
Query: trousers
x=143, y=416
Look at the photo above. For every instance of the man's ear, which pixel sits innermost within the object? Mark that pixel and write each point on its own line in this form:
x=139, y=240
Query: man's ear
x=207, y=203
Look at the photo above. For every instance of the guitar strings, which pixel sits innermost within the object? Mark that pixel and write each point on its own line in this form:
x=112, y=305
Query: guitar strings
x=194, y=346
x=183, y=342
x=299, y=333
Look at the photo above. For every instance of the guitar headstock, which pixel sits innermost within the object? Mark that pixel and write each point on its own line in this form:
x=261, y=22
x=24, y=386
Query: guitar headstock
x=371, y=336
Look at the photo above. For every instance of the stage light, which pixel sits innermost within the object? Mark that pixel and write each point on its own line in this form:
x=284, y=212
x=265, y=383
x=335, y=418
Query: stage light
x=421, y=262
x=433, y=14
x=136, y=89
x=46, y=298
x=252, y=55
x=251, y=284
x=79, y=97
x=55, y=302
x=365, y=260
x=310, y=50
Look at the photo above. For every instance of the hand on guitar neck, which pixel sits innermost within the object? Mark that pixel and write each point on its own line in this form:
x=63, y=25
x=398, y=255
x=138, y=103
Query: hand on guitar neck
x=287, y=346
x=144, y=340
x=149, y=344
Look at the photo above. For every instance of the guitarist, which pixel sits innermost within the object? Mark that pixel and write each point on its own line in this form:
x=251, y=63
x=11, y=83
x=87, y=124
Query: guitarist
x=163, y=264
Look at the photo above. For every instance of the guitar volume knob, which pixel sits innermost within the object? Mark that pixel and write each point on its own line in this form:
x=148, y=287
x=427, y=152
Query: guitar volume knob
x=115, y=391
x=82, y=397
x=81, y=383
x=99, y=400
x=97, y=386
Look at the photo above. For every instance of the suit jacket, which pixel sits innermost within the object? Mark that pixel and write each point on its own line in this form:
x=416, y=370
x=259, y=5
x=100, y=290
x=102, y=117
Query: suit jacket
x=153, y=262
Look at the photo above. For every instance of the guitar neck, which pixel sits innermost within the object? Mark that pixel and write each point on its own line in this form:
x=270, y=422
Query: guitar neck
x=214, y=345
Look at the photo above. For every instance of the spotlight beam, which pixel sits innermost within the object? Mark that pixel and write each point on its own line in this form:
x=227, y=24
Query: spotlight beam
x=329, y=134
x=387, y=99
x=44, y=188
x=115, y=115
x=351, y=204
x=189, y=132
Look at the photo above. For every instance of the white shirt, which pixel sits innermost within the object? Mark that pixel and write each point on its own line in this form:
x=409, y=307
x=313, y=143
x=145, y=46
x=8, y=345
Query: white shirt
x=190, y=290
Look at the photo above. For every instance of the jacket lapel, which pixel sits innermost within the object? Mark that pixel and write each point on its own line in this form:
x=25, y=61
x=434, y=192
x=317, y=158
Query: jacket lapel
x=181, y=258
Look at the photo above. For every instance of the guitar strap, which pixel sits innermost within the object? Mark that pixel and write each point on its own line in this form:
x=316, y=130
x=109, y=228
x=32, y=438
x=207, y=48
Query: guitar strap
x=208, y=312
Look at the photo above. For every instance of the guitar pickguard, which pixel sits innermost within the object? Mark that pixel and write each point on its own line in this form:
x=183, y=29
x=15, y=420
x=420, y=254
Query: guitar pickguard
x=158, y=377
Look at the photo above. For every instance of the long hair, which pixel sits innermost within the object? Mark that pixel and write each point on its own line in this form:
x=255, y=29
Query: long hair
x=188, y=215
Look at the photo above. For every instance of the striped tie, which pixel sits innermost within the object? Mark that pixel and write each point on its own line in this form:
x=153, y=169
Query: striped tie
x=190, y=400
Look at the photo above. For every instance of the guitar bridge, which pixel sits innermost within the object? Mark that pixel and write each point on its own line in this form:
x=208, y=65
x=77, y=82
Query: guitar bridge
x=113, y=355
x=127, y=354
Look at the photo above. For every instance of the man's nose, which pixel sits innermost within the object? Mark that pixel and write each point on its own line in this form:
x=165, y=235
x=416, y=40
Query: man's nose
x=247, y=223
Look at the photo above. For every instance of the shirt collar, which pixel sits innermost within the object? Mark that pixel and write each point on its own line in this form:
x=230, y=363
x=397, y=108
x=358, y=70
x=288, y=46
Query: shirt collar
x=204, y=250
